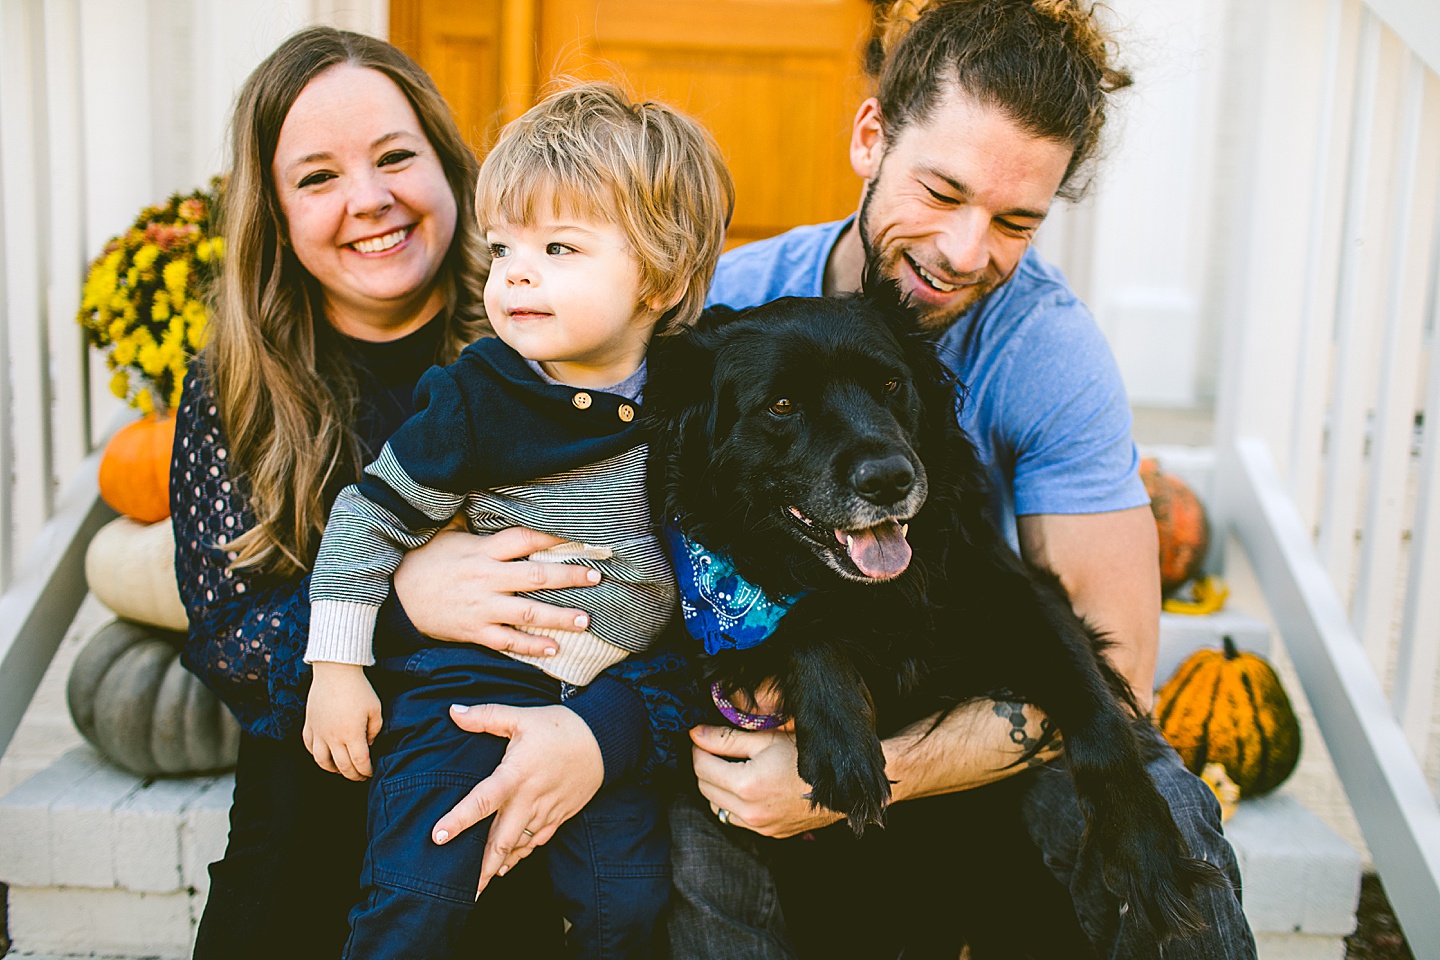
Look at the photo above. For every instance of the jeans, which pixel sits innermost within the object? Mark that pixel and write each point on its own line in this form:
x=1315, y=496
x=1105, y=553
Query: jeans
x=608, y=865
x=998, y=867
x=291, y=870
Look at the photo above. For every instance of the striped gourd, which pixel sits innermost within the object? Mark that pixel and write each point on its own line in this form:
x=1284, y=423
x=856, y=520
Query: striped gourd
x=1227, y=707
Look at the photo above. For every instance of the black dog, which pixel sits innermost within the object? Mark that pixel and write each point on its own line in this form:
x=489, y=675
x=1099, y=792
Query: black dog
x=814, y=443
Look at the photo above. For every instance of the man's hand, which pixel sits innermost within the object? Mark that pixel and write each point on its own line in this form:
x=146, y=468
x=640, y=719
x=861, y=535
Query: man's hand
x=342, y=719
x=763, y=791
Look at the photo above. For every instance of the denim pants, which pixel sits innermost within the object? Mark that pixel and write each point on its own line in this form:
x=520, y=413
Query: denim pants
x=609, y=864
x=291, y=870
x=998, y=867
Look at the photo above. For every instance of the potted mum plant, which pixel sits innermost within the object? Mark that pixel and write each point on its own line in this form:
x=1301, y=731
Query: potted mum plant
x=144, y=306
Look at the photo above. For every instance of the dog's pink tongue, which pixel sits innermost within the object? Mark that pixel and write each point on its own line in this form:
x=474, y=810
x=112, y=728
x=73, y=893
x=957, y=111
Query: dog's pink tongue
x=880, y=551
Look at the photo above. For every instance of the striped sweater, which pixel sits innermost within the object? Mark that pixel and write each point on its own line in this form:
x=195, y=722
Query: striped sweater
x=493, y=441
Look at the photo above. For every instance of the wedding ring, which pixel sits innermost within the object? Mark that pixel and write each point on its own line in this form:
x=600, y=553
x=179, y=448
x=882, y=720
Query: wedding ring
x=724, y=816
x=528, y=834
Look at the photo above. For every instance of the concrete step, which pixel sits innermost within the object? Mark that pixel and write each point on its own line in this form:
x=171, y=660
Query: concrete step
x=103, y=863
x=98, y=860
x=1301, y=879
x=1182, y=634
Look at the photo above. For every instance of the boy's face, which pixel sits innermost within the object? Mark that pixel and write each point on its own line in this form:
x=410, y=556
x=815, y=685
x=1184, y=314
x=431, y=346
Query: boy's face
x=564, y=290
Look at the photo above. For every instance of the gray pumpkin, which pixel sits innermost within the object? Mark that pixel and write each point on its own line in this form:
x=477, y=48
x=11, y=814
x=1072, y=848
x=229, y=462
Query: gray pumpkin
x=142, y=710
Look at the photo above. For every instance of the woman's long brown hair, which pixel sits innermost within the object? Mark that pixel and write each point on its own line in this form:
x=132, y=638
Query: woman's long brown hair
x=286, y=393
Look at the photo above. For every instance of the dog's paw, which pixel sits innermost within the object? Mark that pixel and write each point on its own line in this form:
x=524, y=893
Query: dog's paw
x=1150, y=868
x=849, y=780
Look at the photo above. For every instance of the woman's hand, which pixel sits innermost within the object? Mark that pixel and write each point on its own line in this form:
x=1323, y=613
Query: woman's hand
x=342, y=719
x=463, y=587
x=551, y=769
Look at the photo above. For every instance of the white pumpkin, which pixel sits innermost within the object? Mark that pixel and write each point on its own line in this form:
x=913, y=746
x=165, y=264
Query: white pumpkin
x=130, y=567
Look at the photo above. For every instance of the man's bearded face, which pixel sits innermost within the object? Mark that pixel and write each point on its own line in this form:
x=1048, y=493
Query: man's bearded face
x=952, y=203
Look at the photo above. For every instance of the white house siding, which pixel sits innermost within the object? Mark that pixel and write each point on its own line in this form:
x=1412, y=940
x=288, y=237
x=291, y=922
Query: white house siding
x=105, y=106
x=1138, y=249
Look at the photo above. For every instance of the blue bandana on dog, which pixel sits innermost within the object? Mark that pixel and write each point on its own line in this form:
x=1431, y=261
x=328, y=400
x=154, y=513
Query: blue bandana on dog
x=722, y=609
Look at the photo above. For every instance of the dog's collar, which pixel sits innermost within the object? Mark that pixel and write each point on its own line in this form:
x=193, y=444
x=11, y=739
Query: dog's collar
x=722, y=609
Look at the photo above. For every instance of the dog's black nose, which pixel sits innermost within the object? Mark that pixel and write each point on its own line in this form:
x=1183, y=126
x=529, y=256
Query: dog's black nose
x=883, y=482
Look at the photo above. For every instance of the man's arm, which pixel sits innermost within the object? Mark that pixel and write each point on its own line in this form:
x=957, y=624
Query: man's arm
x=1109, y=563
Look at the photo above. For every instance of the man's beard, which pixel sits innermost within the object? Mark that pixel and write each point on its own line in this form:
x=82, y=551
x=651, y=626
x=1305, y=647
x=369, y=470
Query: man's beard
x=877, y=268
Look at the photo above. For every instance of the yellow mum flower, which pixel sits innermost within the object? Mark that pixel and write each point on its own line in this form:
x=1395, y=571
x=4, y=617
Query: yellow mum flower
x=120, y=384
x=125, y=351
x=202, y=251
x=144, y=401
x=146, y=256
x=177, y=276
x=178, y=390
x=160, y=309
x=151, y=359
x=197, y=336
x=116, y=330
x=217, y=247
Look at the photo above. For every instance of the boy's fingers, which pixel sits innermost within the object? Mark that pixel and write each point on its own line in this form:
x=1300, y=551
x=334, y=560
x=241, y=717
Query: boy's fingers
x=360, y=761
x=321, y=753
x=341, y=755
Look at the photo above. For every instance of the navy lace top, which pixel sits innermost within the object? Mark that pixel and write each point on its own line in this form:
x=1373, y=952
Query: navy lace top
x=248, y=630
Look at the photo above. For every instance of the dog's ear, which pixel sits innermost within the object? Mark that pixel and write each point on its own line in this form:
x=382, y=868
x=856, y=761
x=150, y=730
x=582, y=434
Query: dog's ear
x=716, y=316
x=679, y=417
x=884, y=296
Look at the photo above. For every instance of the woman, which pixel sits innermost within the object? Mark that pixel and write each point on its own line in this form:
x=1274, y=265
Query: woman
x=353, y=263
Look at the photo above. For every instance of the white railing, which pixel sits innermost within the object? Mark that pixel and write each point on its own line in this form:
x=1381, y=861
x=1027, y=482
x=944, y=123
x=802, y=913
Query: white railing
x=1329, y=411
x=104, y=109
x=45, y=398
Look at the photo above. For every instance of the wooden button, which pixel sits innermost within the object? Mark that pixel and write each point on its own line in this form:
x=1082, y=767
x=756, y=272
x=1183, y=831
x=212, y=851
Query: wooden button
x=627, y=412
x=581, y=400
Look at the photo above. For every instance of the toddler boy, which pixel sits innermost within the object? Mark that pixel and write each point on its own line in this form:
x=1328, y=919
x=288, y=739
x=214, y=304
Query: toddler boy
x=604, y=219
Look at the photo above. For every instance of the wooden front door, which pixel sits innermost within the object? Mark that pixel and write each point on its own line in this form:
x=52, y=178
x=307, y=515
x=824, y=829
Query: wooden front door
x=776, y=81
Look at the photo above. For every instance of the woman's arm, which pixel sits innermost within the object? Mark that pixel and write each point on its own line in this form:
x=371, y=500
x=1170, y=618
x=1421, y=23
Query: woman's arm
x=247, y=631
x=467, y=588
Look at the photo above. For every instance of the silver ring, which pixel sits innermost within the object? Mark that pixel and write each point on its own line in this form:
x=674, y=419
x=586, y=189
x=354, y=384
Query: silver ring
x=724, y=816
x=527, y=833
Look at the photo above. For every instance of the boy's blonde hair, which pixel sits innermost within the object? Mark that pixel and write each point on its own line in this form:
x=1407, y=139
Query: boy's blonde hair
x=646, y=167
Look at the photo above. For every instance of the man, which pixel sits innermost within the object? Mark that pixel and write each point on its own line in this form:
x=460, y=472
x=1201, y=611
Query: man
x=986, y=111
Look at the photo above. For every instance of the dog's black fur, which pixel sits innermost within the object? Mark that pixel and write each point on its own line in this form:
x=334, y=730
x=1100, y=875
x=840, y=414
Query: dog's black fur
x=838, y=410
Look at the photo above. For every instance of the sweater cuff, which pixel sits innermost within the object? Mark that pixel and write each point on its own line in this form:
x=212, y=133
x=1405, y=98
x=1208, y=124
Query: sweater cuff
x=341, y=631
x=616, y=715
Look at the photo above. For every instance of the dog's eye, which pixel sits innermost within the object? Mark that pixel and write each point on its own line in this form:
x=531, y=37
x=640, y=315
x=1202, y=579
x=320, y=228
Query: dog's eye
x=891, y=386
x=782, y=407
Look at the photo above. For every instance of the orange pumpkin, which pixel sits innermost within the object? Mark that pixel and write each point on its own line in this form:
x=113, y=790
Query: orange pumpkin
x=1227, y=707
x=135, y=470
x=1183, y=527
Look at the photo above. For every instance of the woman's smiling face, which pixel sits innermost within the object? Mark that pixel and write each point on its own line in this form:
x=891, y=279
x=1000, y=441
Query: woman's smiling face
x=366, y=203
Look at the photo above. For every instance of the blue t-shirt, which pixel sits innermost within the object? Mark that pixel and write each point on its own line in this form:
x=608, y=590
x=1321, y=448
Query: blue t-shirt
x=1042, y=396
